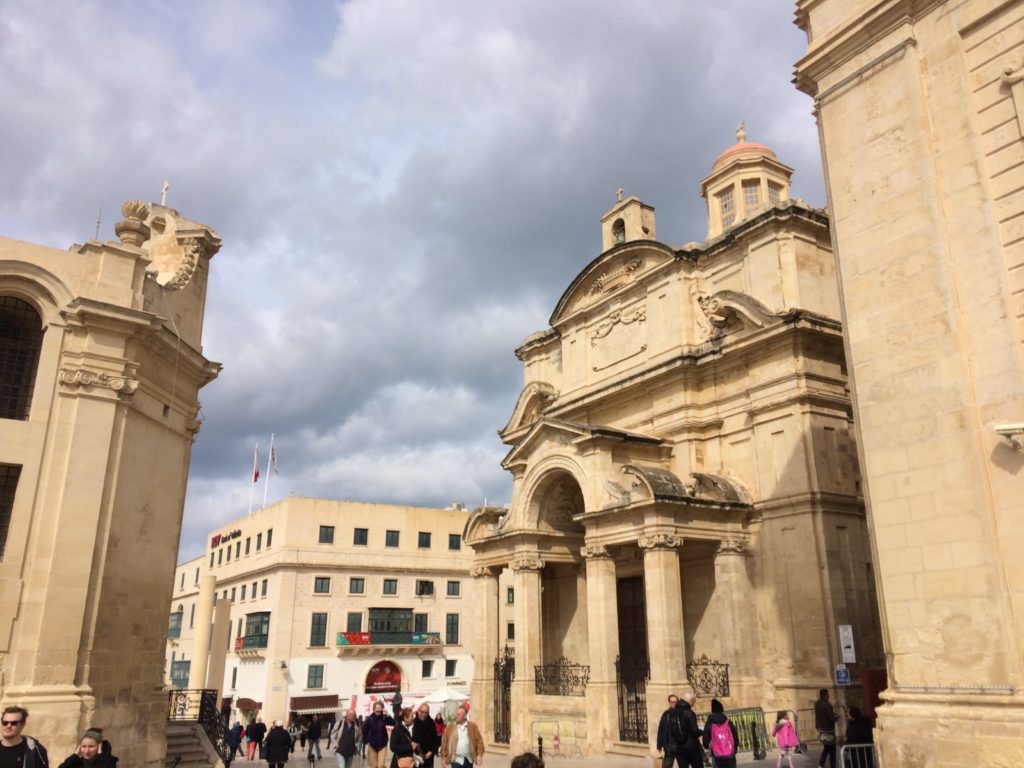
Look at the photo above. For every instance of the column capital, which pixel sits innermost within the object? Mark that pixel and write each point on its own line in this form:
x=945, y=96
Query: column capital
x=527, y=563
x=660, y=541
x=595, y=552
x=731, y=547
x=483, y=572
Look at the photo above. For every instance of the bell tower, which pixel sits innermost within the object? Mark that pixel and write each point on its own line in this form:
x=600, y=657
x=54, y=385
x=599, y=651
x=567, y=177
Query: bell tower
x=629, y=219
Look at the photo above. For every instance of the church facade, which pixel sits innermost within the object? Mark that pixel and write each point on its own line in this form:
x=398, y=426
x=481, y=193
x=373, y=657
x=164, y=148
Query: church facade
x=101, y=363
x=686, y=509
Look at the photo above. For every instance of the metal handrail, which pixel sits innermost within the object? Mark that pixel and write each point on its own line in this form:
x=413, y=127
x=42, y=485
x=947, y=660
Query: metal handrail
x=199, y=705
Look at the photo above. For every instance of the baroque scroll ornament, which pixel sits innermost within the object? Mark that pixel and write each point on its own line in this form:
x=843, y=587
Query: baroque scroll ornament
x=731, y=547
x=594, y=551
x=660, y=541
x=527, y=564
x=82, y=377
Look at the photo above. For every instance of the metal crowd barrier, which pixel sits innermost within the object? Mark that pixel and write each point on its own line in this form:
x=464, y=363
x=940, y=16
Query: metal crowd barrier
x=750, y=727
x=857, y=756
x=803, y=722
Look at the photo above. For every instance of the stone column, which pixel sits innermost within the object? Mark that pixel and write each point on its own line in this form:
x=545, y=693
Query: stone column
x=663, y=598
x=527, y=570
x=204, y=629
x=737, y=619
x=603, y=629
x=485, y=647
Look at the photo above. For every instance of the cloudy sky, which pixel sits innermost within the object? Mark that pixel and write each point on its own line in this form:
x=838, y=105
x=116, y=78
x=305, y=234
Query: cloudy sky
x=404, y=188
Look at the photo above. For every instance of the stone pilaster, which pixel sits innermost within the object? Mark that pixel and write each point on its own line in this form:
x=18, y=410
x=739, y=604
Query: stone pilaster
x=527, y=570
x=663, y=593
x=486, y=585
x=737, y=618
x=603, y=628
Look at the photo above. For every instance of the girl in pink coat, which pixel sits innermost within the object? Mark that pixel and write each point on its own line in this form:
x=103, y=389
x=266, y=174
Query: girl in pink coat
x=785, y=737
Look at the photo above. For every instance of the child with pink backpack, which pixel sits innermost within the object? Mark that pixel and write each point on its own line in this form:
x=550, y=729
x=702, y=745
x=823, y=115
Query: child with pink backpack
x=785, y=737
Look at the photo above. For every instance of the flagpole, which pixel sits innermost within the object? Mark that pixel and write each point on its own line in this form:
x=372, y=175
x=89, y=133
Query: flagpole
x=270, y=457
x=255, y=474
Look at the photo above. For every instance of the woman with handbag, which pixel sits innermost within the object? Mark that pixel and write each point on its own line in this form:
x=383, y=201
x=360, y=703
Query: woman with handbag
x=402, y=746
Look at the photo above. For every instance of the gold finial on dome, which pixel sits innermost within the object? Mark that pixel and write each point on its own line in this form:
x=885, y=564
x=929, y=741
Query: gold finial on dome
x=741, y=132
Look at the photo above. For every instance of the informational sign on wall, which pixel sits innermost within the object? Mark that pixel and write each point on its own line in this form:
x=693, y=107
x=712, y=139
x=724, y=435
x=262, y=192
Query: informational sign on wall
x=849, y=653
x=842, y=675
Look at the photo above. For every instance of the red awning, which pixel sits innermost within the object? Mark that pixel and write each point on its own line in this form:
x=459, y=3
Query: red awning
x=310, y=704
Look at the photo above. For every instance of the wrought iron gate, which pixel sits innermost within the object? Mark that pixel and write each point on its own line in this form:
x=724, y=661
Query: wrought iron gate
x=631, y=676
x=504, y=674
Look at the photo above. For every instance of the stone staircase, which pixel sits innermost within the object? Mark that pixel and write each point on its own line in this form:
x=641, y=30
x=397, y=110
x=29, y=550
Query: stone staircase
x=188, y=741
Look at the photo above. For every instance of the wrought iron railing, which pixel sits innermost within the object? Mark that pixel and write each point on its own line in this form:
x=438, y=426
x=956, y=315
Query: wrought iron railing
x=504, y=674
x=562, y=678
x=708, y=677
x=199, y=705
x=632, y=674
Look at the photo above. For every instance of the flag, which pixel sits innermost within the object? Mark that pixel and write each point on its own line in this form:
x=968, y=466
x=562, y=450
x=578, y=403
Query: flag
x=256, y=466
x=273, y=460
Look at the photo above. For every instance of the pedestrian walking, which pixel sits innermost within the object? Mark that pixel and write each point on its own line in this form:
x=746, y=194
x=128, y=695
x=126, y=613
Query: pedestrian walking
x=720, y=737
x=403, y=747
x=424, y=735
x=234, y=740
x=349, y=740
x=313, y=734
x=825, y=722
x=277, y=745
x=375, y=736
x=785, y=738
x=462, y=746
x=16, y=749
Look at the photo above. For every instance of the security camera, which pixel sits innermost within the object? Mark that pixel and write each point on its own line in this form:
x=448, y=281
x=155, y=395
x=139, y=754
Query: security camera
x=1014, y=433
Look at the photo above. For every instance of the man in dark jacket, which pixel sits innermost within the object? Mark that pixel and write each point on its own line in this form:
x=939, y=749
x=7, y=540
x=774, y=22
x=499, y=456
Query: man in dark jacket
x=662, y=738
x=690, y=751
x=15, y=749
x=278, y=745
x=825, y=722
x=235, y=739
x=313, y=734
x=718, y=718
x=424, y=736
x=375, y=736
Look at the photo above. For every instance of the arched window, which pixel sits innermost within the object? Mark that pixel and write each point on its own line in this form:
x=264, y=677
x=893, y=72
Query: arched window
x=619, y=231
x=21, y=337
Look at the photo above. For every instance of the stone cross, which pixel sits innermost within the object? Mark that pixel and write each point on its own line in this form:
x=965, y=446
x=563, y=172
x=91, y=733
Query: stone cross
x=1015, y=82
x=618, y=194
x=163, y=192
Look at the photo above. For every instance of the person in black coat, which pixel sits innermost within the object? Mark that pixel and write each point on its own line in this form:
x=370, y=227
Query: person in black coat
x=235, y=739
x=90, y=753
x=401, y=738
x=278, y=745
x=717, y=717
x=313, y=734
x=424, y=736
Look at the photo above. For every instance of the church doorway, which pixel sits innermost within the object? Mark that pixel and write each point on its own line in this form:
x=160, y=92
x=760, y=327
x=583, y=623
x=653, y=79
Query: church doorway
x=632, y=667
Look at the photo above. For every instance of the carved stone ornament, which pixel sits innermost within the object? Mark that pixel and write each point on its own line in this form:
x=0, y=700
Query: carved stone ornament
x=81, y=377
x=132, y=229
x=660, y=541
x=618, y=316
x=731, y=547
x=482, y=572
x=594, y=552
x=613, y=278
x=190, y=251
x=527, y=564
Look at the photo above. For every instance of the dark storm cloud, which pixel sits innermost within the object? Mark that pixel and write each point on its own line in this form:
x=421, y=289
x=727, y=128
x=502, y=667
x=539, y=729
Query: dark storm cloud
x=404, y=190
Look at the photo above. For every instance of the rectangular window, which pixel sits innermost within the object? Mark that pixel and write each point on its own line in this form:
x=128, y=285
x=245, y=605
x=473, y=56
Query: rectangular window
x=427, y=668
x=454, y=541
x=751, y=194
x=220, y=556
x=254, y=590
x=179, y=673
x=326, y=534
x=229, y=553
x=510, y=596
x=419, y=622
x=726, y=208
x=238, y=549
x=449, y=667
x=315, y=677
x=243, y=593
x=174, y=627
x=322, y=585
x=257, y=630
x=318, y=630
x=451, y=629
x=192, y=617
x=239, y=628
x=454, y=588
x=423, y=542
x=424, y=588
x=510, y=633
x=234, y=678
x=9, y=475
x=390, y=586
x=774, y=193
x=197, y=577
x=391, y=539
x=232, y=594
x=270, y=536
x=211, y=559
x=354, y=622
x=248, y=543
x=263, y=588
x=182, y=585
x=356, y=586
x=391, y=620
x=229, y=634
x=360, y=536
x=259, y=541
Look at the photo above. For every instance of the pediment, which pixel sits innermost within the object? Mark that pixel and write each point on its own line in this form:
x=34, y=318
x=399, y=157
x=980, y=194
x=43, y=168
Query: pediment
x=533, y=400
x=545, y=429
x=611, y=272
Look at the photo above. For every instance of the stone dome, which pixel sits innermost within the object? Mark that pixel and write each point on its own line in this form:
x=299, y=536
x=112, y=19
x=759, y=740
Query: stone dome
x=748, y=148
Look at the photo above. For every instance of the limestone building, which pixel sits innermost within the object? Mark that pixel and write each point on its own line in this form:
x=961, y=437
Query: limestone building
x=322, y=605
x=101, y=363
x=921, y=115
x=686, y=507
